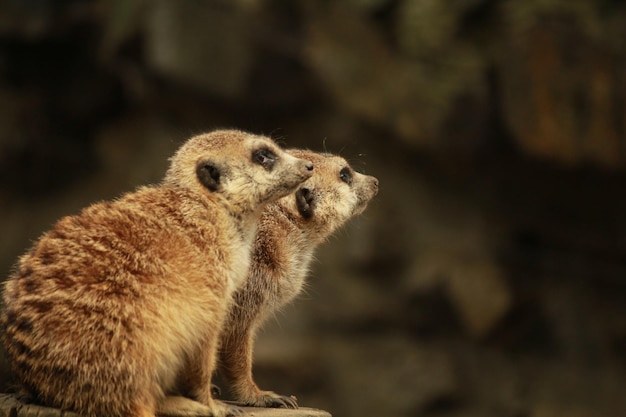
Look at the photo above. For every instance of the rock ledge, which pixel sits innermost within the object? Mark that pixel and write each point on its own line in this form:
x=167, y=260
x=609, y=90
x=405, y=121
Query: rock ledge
x=10, y=406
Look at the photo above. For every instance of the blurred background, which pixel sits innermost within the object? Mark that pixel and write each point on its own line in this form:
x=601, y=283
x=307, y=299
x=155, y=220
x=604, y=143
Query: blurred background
x=487, y=278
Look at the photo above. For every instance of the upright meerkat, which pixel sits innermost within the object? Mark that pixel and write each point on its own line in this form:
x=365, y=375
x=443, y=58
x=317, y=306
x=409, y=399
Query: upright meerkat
x=290, y=230
x=117, y=306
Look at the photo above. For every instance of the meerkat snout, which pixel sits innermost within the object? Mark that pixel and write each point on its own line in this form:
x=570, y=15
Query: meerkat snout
x=367, y=190
x=302, y=165
x=285, y=170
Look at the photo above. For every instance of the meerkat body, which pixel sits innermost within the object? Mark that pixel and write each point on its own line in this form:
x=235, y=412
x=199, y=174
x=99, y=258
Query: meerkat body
x=289, y=231
x=116, y=308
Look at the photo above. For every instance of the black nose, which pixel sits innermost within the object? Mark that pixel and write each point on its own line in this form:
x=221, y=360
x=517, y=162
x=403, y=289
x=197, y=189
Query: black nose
x=309, y=166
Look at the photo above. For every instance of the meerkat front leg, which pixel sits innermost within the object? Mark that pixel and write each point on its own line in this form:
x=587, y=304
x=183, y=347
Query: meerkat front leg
x=197, y=383
x=236, y=365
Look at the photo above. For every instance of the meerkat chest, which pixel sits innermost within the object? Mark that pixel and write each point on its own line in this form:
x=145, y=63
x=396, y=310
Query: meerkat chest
x=294, y=276
x=239, y=269
x=241, y=252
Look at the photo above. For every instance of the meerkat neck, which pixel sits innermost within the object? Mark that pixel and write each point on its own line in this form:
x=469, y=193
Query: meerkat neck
x=247, y=224
x=309, y=236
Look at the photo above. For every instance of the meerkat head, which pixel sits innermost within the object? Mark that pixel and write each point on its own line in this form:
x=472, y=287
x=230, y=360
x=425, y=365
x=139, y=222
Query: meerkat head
x=333, y=195
x=247, y=170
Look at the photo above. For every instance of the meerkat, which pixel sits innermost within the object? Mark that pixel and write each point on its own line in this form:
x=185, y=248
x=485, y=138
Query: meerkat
x=289, y=231
x=116, y=308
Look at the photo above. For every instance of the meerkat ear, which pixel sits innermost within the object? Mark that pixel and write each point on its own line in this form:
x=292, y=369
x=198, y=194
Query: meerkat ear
x=305, y=202
x=208, y=175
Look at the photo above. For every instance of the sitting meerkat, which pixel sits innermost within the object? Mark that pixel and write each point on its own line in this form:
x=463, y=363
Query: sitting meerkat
x=116, y=307
x=290, y=230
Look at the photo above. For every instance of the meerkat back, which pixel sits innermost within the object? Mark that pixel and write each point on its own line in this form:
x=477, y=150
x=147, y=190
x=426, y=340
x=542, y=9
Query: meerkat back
x=289, y=231
x=115, y=307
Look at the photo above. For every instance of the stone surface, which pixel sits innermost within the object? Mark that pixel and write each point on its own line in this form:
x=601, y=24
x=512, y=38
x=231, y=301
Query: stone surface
x=10, y=406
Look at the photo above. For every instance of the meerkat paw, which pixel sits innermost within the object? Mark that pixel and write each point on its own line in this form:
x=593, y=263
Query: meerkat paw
x=221, y=409
x=174, y=406
x=269, y=399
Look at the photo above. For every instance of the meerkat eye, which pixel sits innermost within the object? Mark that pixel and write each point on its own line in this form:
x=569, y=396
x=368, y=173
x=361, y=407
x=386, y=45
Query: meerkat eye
x=264, y=157
x=345, y=175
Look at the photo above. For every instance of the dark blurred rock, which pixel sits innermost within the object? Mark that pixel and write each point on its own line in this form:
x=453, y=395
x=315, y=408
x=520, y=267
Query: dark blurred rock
x=478, y=291
x=122, y=19
x=562, y=81
x=389, y=376
x=39, y=18
x=494, y=381
x=426, y=27
x=338, y=45
x=474, y=287
x=369, y=5
x=203, y=45
x=13, y=109
x=135, y=150
x=559, y=389
x=412, y=96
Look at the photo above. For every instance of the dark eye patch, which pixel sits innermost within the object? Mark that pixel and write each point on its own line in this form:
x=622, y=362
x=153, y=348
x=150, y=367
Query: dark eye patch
x=305, y=202
x=264, y=157
x=345, y=175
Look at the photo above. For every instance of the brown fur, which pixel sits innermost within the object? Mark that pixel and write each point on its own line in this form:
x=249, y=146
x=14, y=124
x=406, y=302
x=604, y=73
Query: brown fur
x=287, y=236
x=117, y=306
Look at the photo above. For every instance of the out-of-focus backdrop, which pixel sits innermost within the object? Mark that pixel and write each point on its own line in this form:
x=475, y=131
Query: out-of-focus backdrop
x=487, y=278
